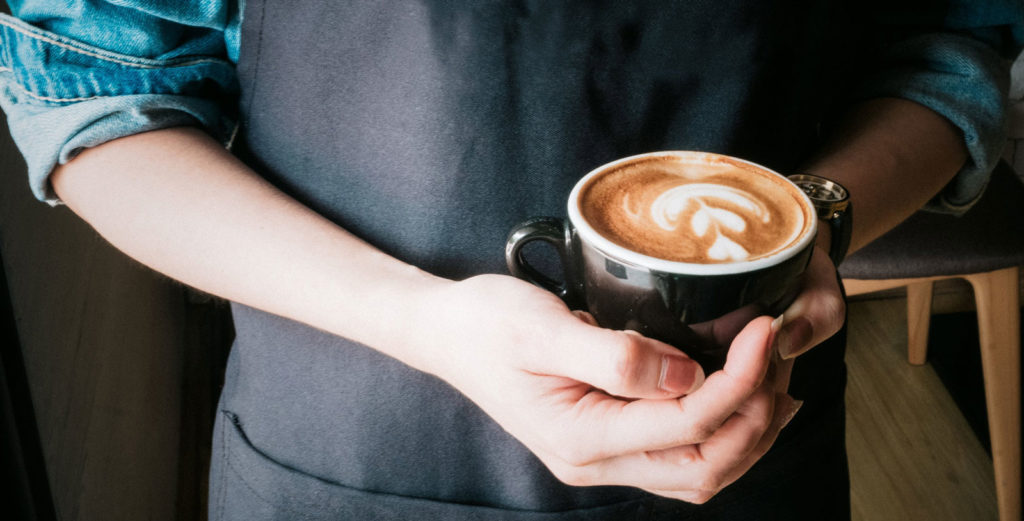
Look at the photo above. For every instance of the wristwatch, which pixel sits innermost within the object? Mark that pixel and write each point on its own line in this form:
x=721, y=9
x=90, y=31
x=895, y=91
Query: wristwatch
x=832, y=203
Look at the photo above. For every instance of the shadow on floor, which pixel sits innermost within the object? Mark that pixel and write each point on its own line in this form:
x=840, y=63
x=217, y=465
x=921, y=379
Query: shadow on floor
x=954, y=354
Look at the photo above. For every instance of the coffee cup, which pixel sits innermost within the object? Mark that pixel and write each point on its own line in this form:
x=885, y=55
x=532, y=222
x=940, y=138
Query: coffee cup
x=684, y=247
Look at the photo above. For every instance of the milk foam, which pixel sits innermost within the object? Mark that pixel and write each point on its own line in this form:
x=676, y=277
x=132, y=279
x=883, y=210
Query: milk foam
x=702, y=209
x=708, y=216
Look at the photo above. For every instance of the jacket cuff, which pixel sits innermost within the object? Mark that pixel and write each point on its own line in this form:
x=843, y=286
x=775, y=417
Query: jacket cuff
x=62, y=95
x=53, y=135
x=965, y=81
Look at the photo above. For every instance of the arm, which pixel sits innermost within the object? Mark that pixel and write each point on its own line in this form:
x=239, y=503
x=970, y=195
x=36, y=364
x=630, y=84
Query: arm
x=928, y=129
x=193, y=199
x=197, y=214
x=201, y=217
x=893, y=155
x=177, y=201
x=263, y=249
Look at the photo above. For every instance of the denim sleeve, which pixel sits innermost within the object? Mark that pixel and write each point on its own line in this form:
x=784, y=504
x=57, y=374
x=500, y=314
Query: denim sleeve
x=77, y=74
x=954, y=60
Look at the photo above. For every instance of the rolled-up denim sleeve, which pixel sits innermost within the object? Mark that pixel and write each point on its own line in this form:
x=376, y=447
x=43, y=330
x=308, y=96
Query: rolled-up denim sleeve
x=953, y=59
x=79, y=75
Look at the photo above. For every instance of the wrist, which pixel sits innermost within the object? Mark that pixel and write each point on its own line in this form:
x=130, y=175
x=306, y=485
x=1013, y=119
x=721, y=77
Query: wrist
x=835, y=214
x=387, y=311
x=413, y=334
x=824, y=238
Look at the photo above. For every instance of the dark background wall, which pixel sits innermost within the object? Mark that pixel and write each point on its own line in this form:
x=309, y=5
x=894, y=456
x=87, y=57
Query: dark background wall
x=123, y=365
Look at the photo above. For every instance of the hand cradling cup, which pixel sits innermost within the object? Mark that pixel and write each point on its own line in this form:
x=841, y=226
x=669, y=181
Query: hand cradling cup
x=683, y=247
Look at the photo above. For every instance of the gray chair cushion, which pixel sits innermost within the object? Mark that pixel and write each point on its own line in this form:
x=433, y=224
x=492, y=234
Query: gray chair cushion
x=988, y=237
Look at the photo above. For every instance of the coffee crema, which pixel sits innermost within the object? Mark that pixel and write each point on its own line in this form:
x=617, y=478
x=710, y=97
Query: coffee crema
x=695, y=208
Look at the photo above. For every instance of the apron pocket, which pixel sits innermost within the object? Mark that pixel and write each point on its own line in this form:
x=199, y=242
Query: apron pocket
x=247, y=485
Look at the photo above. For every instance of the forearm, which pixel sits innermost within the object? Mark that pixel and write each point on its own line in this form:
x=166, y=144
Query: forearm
x=893, y=155
x=177, y=202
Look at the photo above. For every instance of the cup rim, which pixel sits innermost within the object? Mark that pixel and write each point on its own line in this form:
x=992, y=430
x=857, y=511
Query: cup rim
x=621, y=253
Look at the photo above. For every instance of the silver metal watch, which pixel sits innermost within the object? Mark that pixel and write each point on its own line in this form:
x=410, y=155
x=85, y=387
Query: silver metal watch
x=832, y=203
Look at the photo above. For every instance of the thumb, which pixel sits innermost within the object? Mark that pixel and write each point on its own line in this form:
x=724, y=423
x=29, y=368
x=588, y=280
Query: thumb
x=623, y=363
x=816, y=313
x=750, y=353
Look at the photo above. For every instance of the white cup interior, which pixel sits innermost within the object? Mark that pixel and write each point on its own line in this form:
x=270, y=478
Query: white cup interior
x=636, y=259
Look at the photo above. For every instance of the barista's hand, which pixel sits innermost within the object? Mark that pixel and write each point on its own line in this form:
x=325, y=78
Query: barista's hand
x=603, y=407
x=818, y=312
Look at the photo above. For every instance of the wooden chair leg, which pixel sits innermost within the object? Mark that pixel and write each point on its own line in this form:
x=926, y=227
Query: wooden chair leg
x=919, y=314
x=997, y=295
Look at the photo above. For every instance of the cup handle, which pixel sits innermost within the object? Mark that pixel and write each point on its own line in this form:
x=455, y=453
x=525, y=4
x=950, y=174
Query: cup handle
x=558, y=234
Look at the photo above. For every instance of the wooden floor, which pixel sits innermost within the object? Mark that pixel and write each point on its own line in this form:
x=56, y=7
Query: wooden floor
x=912, y=454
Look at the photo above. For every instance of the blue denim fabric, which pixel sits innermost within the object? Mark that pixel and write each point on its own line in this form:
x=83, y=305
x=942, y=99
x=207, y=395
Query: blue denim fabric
x=963, y=82
x=77, y=74
x=952, y=57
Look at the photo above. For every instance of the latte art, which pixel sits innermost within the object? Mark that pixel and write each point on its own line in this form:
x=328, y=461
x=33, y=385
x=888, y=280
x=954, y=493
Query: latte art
x=709, y=215
x=705, y=210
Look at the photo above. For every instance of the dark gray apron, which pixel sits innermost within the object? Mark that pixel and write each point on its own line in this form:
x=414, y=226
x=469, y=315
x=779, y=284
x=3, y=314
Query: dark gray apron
x=430, y=129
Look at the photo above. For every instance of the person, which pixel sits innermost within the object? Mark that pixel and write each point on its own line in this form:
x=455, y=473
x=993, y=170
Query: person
x=384, y=365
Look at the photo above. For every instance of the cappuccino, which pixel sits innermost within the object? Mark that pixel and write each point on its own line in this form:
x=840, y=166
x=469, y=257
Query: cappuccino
x=683, y=247
x=695, y=208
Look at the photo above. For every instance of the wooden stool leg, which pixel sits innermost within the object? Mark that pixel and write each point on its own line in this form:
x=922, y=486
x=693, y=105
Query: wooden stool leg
x=998, y=295
x=919, y=315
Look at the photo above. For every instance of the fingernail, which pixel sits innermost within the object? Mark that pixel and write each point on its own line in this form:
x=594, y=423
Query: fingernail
x=773, y=353
x=782, y=344
x=791, y=339
x=679, y=375
x=793, y=409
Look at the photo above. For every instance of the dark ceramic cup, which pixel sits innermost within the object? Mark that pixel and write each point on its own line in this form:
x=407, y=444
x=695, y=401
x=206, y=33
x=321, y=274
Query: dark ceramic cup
x=698, y=308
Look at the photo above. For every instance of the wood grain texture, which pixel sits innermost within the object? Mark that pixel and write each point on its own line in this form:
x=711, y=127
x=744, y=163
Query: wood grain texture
x=912, y=454
x=919, y=315
x=999, y=331
x=997, y=300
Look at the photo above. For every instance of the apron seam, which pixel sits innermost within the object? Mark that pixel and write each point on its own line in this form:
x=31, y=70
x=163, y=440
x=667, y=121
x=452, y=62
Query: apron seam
x=225, y=460
x=256, y=60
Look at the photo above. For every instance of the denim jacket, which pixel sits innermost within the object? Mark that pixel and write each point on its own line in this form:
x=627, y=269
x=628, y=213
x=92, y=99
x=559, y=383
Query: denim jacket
x=79, y=73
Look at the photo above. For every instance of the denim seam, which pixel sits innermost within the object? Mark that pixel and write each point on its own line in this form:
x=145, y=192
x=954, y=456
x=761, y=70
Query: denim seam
x=5, y=54
x=23, y=90
x=155, y=64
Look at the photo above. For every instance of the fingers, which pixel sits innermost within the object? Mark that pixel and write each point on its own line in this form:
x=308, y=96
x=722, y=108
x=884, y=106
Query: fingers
x=783, y=371
x=693, y=472
x=619, y=363
x=723, y=329
x=557, y=383
x=750, y=352
x=587, y=318
x=618, y=427
x=818, y=311
x=786, y=409
x=688, y=448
